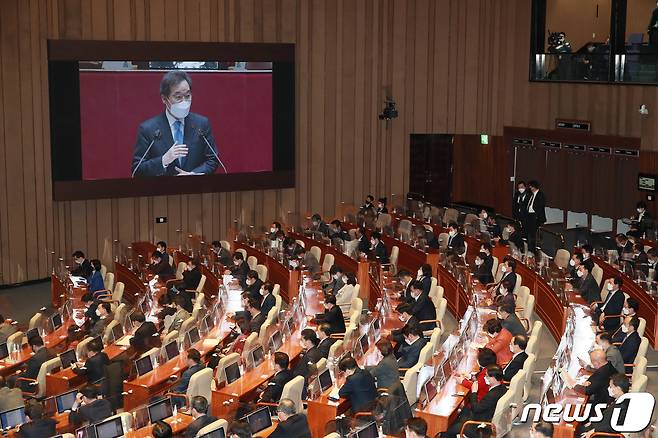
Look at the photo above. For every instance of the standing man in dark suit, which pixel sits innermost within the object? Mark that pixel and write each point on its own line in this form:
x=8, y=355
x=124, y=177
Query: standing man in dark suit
x=535, y=215
x=160, y=266
x=332, y=315
x=84, y=268
x=199, y=406
x=162, y=247
x=455, y=239
x=37, y=426
x=291, y=424
x=222, y=254
x=282, y=375
x=588, y=289
x=89, y=406
x=318, y=225
x=359, y=387
x=631, y=342
x=94, y=366
x=267, y=298
x=517, y=347
x=421, y=308
x=363, y=246
x=613, y=305
x=180, y=141
x=484, y=409
x=520, y=202
x=386, y=372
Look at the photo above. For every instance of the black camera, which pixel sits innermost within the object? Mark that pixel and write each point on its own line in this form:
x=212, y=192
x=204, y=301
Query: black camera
x=389, y=112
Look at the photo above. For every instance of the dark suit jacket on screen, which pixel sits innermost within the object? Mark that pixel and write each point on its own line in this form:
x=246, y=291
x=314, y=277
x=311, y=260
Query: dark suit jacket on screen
x=199, y=158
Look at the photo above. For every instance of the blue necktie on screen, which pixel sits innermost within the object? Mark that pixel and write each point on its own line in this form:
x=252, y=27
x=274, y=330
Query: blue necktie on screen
x=178, y=138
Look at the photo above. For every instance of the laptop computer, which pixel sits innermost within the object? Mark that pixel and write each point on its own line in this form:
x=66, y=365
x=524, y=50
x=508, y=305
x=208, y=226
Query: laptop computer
x=144, y=365
x=232, y=372
x=160, y=410
x=64, y=402
x=12, y=418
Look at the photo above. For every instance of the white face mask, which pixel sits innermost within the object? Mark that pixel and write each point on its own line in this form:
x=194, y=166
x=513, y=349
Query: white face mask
x=478, y=262
x=503, y=269
x=639, y=210
x=250, y=281
x=180, y=110
x=420, y=273
x=485, y=215
x=521, y=191
x=373, y=243
x=572, y=262
x=408, y=341
x=272, y=230
x=626, y=311
x=610, y=286
x=262, y=292
x=611, y=392
x=511, y=348
x=487, y=382
x=98, y=312
x=579, y=273
x=624, y=328
x=452, y=233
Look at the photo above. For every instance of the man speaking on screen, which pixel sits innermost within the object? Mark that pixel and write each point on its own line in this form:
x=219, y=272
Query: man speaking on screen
x=175, y=142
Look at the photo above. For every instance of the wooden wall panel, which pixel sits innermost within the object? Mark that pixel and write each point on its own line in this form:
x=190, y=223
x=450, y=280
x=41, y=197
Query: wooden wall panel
x=452, y=66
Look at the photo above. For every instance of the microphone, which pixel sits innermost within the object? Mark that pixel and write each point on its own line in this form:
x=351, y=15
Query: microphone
x=156, y=135
x=202, y=134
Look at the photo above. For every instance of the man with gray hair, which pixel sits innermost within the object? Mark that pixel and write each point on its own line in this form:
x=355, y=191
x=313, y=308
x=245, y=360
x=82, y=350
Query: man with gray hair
x=291, y=424
x=175, y=142
x=199, y=407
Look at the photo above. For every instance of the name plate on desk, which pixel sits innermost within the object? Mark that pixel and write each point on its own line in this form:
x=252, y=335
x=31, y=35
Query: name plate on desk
x=576, y=125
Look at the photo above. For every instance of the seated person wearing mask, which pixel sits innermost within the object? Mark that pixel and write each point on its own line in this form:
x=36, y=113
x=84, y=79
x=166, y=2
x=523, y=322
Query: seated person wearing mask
x=239, y=269
x=409, y=352
x=222, y=255
x=94, y=367
x=254, y=284
x=482, y=272
x=332, y=315
x=606, y=313
x=96, y=281
x=359, y=387
x=160, y=266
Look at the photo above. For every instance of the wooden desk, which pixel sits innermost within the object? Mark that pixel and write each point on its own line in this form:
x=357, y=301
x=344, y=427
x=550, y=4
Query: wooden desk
x=134, y=287
x=648, y=303
x=178, y=424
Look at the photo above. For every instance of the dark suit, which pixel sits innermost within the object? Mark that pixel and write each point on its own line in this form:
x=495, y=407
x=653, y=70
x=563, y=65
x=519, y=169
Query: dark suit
x=163, y=269
x=364, y=245
x=322, y=228
x=426, y=283
x=256, y=322
x=513, y=325
x=268, y=302
x=272, y=393
x=83, y=270
x=254, y=290
x=534, y=220
x=520, y=205
x=334, y=285
x=516, y=239
x=456, y=243
x=191, y=279
x=613, y=305
x=333, y=317
x=94, y=412
x=184, y=382
x=629, y=347
x=199, y=158
x=223, y=256
x=423, y=309
x=597, y=390
x=94, y=367
x=589, y=289
x=641, y=262
x=324, y=346
x=504, y=300
x=34, y=363
x=360, y=390
x=483, y=273
x=514, y=366
x=143, y=339
x=311, y=357
x=240, y=272
x=477, y=411
x=295, y=426
x=379, y=253
x=38, y=429
x=511, y=277
x=408, y=354
x=197, y=425
x=340, y=234
x=386, y=372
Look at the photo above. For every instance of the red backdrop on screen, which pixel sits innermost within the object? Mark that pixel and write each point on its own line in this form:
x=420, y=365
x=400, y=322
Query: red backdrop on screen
x=113, y=104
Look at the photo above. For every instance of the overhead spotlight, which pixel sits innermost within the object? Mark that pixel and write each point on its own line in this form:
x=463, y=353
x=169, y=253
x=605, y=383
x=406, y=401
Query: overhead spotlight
x=389, y=112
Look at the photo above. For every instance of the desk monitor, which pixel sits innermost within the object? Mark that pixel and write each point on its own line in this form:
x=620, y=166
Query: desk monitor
x=86, y=432
x=257, y=356
x=32, y=332
x=141, y=418
x=193, y=336
x=67, y=358
x=369, y=431
x=117, y=332
x=290, y=325
x=65, y=401
x=144, y=365
x=160, y=410
x=217, y=433
x=171, y=350
x=276, y=341
x=447, y=368
x=98, y=339
x=324, y=379
x=12, y=418
x=232, y=373
x=4, y=350
x=259, y=419
x=429, y=388
x=56, y=320
x=111, y=428
x=145, y=306
x=208, y=323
